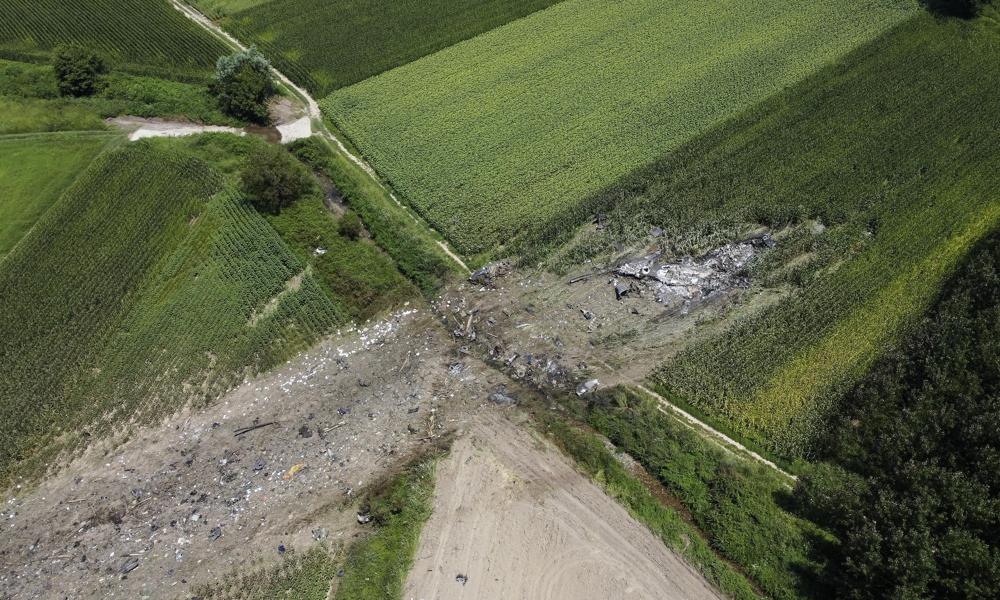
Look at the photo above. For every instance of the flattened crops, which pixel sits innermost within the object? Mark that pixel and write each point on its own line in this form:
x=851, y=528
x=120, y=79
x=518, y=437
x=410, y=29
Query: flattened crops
x=495, y=135
x=145, y=35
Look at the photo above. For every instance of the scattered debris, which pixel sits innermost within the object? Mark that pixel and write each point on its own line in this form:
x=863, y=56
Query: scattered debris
x=253, y=427
x=292, y=471
x=281, y=548
x=488, y=275
x=463, y=579
x=319, y=533
x=364, y=517
x=587, y=387
x=215, y=534
x=305, y=432
x=129, y=565
x=587, y=314
x=258, y=465
x=501, y=397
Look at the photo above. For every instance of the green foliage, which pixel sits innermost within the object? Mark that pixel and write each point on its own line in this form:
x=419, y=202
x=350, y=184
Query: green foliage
x=350, y=225
x=354, y=271
x=272, y=179
x=896, y=152
x=491, y=138
x=416, y=253
x=734, y=501
x=607, y=471
x=360, y=38
x=965, y=9
x=149, y=36
x=244, y=85
x=30, y=101
x=914, y=491
x=377, y=566
x=77, y=70
x=302, y=576
x=33, y=173
x=174, y=259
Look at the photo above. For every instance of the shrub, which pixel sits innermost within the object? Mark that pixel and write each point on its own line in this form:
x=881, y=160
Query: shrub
x=78, y=70
x=272, y=179
x=350, y=226
x=965, y=9
x=244, y=85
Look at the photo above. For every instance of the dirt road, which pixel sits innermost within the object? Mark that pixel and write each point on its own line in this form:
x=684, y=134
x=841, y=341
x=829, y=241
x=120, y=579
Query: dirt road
x=514, y=520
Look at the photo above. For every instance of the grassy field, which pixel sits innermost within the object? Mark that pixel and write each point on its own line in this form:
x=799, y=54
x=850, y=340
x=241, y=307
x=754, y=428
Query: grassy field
x=181, y=289
x=736, y=504
x=143, y=35
x=327, y=44
x=490, y=138
x=895, y=152
x=221, y=8
x=34, y=170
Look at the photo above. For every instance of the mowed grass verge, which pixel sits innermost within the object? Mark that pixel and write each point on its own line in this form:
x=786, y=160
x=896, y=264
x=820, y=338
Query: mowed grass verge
x=492, y=137
x=896, y=152
x=151, y=283
x=328, y=44
x=34, y=170
x=142, y=35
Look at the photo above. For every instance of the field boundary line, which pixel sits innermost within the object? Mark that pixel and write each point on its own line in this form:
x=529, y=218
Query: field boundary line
x=709, y=431
x=316, y=116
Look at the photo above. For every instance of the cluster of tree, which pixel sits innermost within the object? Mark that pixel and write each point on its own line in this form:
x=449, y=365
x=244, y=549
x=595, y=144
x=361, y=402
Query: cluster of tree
x=273, y=179
x=911, y=489
x=244, y=85
x=965, y=9
x=78, y=70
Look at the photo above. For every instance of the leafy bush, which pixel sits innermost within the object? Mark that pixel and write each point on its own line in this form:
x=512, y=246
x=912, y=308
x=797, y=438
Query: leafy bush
x=965, y=9
x=244, y=85
x=913, y=491
x=272, y=179
x=350, y=225
x=77, y=70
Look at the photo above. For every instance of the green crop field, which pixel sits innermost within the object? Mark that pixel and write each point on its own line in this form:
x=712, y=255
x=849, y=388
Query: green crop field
x=495, y=136
x=34, y=170
x=143, y=35
x=328, y=44
x=182, y=287
x=895, y=152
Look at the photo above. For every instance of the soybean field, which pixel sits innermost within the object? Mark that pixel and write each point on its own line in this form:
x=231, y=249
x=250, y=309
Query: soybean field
x=495, y=136
x=149, y=36
x=325, y=45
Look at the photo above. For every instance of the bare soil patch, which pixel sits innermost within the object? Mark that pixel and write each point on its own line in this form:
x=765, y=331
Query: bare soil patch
x=514, y=520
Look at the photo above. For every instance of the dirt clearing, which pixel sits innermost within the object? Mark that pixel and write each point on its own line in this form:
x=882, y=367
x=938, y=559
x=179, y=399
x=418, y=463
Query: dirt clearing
x=514, y=520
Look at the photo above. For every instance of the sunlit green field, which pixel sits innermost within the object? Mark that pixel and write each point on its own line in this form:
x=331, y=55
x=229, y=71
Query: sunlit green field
x=494, y=136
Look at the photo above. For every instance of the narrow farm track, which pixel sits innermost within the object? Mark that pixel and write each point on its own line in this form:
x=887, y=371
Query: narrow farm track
x=710, y=432
x=317, y=121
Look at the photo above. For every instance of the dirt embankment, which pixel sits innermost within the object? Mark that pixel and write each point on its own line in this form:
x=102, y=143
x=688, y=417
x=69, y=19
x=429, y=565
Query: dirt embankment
x=513, y=520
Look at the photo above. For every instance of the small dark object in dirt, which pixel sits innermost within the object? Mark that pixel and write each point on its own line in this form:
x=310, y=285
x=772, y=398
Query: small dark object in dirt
x=258, y=465
x=456, y=368
x=215, y=425
x=363, y=383
x=343, y=411
x=305, y=432
x=253, y=427
x=501, y=397
x=340, y=573
x=364, y=517
x=587, y=314
x=319, y=533
x=413, y=410
x=621, y=290
x=463, y=579
x=281, y=548
x=129, y=565
x=136, y=493
x=215, y=534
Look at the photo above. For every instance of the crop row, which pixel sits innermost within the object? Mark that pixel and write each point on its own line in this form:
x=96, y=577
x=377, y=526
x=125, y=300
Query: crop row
x=896, y=153
x=325, y=45
x=145, y=34
x=491, y=138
